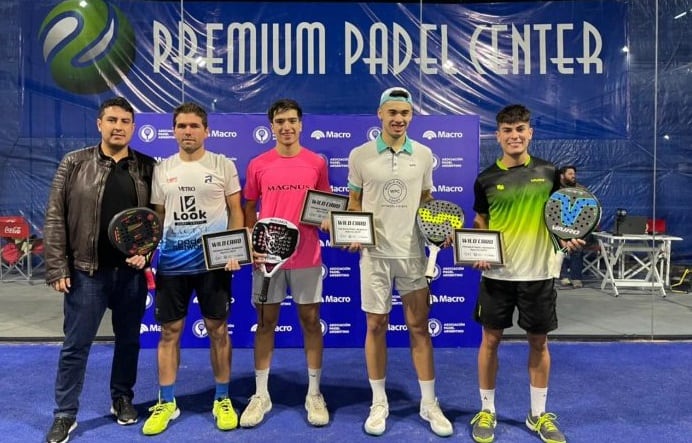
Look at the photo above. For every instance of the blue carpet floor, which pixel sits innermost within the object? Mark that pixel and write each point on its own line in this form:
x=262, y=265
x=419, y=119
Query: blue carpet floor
x=614, y=392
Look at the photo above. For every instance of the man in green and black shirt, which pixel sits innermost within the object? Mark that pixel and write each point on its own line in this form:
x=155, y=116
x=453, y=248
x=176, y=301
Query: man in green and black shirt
x=509, y=197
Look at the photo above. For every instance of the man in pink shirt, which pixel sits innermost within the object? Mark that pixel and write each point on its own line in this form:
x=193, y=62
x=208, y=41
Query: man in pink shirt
x=278, y=180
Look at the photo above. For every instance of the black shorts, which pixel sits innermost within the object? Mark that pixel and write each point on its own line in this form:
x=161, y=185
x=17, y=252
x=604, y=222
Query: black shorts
x=173, y=293
x=535, y=300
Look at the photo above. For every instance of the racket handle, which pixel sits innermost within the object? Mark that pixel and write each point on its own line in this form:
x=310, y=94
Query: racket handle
x=149, y=276
x=265, y=290
x=432, y=259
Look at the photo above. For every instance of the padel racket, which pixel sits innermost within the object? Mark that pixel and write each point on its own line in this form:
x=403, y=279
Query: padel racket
x=572, y=213
x=437, y=220
x=136, y=231
x=278, y=238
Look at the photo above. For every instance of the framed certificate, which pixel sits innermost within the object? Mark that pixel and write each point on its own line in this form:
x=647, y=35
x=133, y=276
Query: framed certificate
x=220, y=247
x=317, y=205
x=352, y=227
x=472, y=245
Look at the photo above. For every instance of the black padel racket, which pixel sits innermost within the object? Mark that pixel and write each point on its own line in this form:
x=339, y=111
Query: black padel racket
x=278, y=238
x=572, y=213
x=437, y=220
x=136, y=231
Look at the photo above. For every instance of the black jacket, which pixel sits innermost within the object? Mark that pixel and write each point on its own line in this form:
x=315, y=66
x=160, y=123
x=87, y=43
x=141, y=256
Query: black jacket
x=74, y=208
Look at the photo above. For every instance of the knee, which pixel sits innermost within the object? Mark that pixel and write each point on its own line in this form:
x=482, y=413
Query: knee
x=538, y=343
x=377, y=324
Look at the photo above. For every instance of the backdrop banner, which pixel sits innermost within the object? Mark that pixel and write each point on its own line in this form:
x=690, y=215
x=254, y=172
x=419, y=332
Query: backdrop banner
x=455, y=144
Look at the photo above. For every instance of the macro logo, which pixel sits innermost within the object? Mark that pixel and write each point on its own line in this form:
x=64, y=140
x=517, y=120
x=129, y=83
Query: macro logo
x=429, y=135
x=317, y=134
x=89, y=46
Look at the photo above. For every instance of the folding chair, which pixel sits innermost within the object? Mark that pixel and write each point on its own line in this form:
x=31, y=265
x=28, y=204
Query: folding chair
x=592, y=261
x=16, y=249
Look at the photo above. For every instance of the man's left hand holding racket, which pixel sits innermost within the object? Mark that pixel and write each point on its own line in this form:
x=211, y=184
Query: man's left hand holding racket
x=136, y=232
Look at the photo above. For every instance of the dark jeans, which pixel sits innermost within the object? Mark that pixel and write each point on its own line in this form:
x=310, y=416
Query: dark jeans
x=572, y=265
x=124, y=291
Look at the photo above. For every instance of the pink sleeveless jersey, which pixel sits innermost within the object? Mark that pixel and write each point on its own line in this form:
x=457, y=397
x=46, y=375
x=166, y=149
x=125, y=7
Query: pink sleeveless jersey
x=278, y=185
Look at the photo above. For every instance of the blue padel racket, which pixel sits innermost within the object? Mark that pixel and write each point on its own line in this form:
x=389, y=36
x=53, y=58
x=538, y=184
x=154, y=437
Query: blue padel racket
x=572, y=213
x=437, y=220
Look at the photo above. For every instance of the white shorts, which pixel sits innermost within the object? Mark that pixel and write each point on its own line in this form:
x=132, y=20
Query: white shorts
x=305, y=285
x=379, y=275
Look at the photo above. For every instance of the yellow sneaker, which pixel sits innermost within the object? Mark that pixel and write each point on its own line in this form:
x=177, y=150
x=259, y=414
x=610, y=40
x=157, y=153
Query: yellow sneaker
x=161, y=414
x=225, y=415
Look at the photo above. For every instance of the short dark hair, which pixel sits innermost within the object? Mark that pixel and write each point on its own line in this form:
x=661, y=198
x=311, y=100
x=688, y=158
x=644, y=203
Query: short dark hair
x=283, y=105
x=564, y=169
x=191, y=108
x=120, y=102
x=513, y=114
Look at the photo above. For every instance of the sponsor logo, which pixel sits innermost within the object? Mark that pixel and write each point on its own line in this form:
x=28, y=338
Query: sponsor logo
x=537, y=180
x=189, y=214
x=324, y=327
x=447, y=188
x=13, y=229
x=198, y=329
x=150, y=300
x=261, y=134
x=278, y=328
x=448, y=299
x=337, y=299
x=430, y=134
x=373, y=133
x=399, y=328
x=325, y=243
x=437, y=272
x=325, y=271
x=143, y=328
x=318, y=134
x=338, y=189
x=89, y=46
x=394, y=191
x=565, y=229
x=223, y=134
x=434, y=327
x=436, y=161
x=147, y=133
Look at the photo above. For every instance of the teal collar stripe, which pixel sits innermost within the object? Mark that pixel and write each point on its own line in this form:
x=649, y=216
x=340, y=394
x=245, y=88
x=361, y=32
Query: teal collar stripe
x=382, y=146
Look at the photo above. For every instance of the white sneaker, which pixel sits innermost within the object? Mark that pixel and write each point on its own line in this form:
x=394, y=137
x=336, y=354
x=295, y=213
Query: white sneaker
x=439, y=424
x=376, y=422
x=318, y=415
x=255, y=410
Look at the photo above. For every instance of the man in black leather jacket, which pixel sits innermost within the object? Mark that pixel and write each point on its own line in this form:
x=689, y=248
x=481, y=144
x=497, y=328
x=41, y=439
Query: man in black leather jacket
x=90, y=186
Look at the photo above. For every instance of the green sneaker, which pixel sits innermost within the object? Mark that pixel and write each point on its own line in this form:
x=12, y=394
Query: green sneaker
x=546, y=427
x=161, y=414
x=225, y=415
x=484, y=427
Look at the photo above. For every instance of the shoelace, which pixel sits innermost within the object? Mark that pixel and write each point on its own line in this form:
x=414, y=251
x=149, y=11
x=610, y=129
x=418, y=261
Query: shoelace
x=225, y=405
x=546, y=420
x=158, y=408
x=316, y=401
x=378, y=411
x=484, y=419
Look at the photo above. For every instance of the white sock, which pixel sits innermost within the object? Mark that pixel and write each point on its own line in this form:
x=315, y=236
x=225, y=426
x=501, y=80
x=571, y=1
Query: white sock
x=427, y=391
x=488, y=399
x=538, y=400
x=262, y=381
x=314, y=381
x=378, y=392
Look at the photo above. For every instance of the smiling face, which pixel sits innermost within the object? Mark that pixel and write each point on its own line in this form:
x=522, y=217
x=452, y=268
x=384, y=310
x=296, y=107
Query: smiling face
x=190, y=132
x=287, y=127
x=396, y=117
x=116, y=126
x=514, y=139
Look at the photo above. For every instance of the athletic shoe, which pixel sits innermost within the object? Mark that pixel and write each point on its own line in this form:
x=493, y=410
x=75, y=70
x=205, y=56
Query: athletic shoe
x=59, y=431
x=565, y=282
x=124, y=411
x=376, y=423
x=226, y=418
x=439, y=424
x=255, y=410
x=576, y=284
x=484, y=427
x=161, y=414
x=318, y=415
x=546, y=427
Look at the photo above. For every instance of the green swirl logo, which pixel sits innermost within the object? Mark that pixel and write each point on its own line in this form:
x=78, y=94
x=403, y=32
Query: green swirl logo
x=89, y=46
